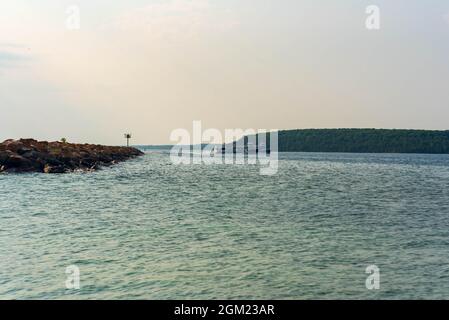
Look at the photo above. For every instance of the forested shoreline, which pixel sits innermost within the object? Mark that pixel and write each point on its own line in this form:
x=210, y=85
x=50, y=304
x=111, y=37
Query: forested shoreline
x=364, y=141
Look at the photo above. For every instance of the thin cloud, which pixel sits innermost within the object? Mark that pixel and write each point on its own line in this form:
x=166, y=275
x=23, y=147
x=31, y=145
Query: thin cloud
x=175, y=18
x=12, y=55
x=9, y=58
x=8, y=45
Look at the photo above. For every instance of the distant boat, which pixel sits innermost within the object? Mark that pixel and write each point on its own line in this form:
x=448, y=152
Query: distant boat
x=217, y=151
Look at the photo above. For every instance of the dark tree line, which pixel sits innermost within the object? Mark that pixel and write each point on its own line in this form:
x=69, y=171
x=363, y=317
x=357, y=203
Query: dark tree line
x=364, y=141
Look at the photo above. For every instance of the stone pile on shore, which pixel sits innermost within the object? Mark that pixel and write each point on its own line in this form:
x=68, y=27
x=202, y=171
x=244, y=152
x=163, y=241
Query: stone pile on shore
x=29, y=155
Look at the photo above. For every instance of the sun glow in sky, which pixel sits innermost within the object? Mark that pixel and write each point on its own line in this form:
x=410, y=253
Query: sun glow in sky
x=149, y=67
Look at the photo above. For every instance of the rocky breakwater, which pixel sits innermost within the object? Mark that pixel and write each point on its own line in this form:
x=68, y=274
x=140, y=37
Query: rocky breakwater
x=29, y=155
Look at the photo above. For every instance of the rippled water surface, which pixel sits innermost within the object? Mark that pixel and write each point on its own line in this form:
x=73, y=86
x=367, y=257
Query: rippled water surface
x=149, y=229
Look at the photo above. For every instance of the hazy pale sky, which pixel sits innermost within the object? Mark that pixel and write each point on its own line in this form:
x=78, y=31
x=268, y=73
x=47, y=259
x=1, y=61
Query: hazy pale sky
x=149, y=67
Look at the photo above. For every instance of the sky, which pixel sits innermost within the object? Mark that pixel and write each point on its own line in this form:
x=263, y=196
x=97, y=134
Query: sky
x=150, y=67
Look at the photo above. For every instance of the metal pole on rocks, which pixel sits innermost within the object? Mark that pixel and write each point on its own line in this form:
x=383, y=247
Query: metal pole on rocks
x=127, y=137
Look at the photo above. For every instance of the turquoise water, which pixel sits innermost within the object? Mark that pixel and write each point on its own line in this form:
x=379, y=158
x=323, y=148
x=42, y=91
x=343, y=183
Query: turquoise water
x=148, y=229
